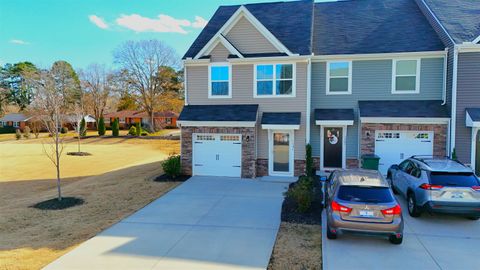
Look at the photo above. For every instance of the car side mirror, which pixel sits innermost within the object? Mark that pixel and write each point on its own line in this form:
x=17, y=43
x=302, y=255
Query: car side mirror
x=395, y=167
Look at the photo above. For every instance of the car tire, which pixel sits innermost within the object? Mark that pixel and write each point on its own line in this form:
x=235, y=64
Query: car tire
x=390, y=181
x=395, y=240
x=413, y=209
x=331, y=235
x=473, y=218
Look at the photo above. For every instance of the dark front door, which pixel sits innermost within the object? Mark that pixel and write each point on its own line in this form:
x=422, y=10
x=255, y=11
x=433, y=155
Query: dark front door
x=332, y=147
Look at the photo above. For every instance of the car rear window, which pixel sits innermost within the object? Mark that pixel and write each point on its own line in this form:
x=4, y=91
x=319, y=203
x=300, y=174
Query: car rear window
x=365, y=194
x=454, y=179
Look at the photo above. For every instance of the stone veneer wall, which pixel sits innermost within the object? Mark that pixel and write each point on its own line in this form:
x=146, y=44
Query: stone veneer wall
x=262, y=167
x=351, y=163
x=439, y=138
x=248, y=148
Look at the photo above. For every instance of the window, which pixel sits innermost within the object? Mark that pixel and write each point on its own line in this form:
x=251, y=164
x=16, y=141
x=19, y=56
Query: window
x=365, y=194
x=274, y=80
x=220, y=81
x=205, y=138
x=339, y=78
x=388, y=135
x=406, y=76
x=229, y=138
x=1, y=124
x=16, y=124
x=454, y=179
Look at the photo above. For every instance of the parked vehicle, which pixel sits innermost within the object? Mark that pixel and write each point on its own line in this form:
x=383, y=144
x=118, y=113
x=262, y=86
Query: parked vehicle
x=438, y=185
x=361, y=201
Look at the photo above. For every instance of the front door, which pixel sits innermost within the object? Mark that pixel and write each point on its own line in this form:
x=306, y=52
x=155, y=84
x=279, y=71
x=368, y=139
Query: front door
x=332, y=147
x=281, y=153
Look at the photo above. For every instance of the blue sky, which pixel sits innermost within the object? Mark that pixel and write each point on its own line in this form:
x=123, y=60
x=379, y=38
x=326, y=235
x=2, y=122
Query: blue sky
x=86, y=31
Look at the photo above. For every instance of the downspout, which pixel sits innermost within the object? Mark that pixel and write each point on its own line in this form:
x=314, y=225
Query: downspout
x=454, y=100
x=309, y=102
x=445, y=70
x=185, y=83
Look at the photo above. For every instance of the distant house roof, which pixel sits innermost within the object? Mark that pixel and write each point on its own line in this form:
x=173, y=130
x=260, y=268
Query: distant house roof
x=460, y=18
x=71, y=118
x=281, y=118
x=167, y=114
x=372, y=26
x=14, y=117
x=289, y=22
x=219, y=113
x=403, y=108
x=121, y=114
x=334, y=114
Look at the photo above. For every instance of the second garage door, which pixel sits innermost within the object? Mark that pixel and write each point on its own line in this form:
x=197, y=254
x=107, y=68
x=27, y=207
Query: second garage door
x=217, y=154
x=395, y=146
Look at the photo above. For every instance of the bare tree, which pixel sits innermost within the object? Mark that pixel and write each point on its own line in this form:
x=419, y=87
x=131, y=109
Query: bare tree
x=97, y=84
x=75, y=120
x=143, y=62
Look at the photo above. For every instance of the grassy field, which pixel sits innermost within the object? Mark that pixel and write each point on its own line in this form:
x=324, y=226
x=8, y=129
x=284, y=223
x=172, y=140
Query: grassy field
x=114, y=182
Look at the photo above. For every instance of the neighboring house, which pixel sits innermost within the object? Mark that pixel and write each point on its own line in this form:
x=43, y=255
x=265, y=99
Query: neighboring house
x=14, y=120
x=348, y=77
x=129, y=118
x=71, y=120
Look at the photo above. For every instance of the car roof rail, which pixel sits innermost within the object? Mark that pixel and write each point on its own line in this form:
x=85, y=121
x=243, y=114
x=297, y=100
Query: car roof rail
x=423, y=158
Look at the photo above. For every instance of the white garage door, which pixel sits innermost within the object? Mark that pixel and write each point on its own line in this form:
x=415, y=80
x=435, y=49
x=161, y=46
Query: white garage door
x=395, y=146
x=217, y=154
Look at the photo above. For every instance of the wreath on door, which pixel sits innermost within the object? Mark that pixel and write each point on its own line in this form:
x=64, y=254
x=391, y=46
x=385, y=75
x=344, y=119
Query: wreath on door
x=332, y=135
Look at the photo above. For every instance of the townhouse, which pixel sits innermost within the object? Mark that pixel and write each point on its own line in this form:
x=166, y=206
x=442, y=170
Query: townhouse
x=350, y=78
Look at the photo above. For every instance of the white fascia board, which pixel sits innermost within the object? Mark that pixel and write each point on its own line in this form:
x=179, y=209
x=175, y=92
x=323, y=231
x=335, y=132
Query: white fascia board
x=273, y=59
x=229, y=46
x=477, y=40
x=404, y=120
x=376, y=56
x=470, y=123
x=334, y=122
x=216, y=123
x=468, y=47
x=196, y=62
x=268, y=126
x=218, y=38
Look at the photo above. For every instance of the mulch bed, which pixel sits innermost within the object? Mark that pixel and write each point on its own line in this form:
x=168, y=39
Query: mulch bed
x=79, y=154
x=55, y=204
x=313, y=216
x=166, y=178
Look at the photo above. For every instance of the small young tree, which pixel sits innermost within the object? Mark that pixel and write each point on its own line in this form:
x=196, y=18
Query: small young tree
x=18, y=134
x=101, y=126
x=115, y=128
x=26, y=132
x=77, y=120
x=138, y=129
x=309, y=161
x=83, y=128
x=36, y=127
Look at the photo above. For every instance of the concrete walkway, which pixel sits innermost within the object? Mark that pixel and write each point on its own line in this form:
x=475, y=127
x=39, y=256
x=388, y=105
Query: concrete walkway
x=430, y=242
x=205, y=223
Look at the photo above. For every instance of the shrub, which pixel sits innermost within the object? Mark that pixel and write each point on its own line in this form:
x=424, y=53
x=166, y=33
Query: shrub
x=302, y=193
x=5, y=130
x=171, y=166
x=454, y=154
x=26, y=132
x=144, y=133
x=101, y=126
x=115, y=128
x=139, y=129
x=83, y=128
x=18, y=134
x=309, y=161
x=132, y=131
x=64, y=130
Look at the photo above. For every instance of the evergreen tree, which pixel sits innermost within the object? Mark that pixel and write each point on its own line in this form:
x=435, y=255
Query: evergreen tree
x=139, y=129
x=83, y=128
x=115, y=128
x=101, y=126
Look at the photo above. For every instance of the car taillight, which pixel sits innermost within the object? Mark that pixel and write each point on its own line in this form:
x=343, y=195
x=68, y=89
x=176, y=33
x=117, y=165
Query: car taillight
x=476, y=188
x=396, y=210
x=340, y=208
x=430, y=187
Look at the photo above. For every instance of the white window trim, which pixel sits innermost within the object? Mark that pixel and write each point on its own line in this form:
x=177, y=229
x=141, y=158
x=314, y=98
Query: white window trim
x=349, y=92
x=344, y=146
x=417, y=76
x=16, y=124
x=291, y=157
x=220, y=64
x=274, y=90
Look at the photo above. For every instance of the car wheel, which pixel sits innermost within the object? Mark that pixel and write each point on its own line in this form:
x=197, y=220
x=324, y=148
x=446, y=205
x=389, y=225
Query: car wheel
x=390, y=181
x=330, y=234
x=413, y=209
x=474, y=218
x=395, y=240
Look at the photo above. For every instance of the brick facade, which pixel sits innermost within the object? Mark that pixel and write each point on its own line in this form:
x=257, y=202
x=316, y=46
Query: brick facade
x=262, y=167
x=439, y=141
x=353, y=163
x=248, y=147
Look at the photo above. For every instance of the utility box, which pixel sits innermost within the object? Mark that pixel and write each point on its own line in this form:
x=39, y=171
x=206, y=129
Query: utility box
x=370, y=162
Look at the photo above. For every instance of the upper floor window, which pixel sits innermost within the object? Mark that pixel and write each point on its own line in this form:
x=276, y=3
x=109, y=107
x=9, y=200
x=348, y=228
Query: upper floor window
x=275, y=80
x=220, y=81
x=406, y=76
x=339, y=78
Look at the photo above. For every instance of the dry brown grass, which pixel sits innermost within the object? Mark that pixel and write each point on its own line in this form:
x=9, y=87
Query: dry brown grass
x=298, y=246
x=31, y=238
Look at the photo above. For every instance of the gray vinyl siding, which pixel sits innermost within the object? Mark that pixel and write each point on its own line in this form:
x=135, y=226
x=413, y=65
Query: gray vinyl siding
x=468, y=96
x=371, y=80
x=242, y=93
x=219, y=53
x=247, y=39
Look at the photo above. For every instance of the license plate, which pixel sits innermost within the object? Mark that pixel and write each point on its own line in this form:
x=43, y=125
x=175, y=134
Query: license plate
x=365, y=213
x=457, y=195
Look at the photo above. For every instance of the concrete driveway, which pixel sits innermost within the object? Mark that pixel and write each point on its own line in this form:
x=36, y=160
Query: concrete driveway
x=430, y=242
x=205, y=223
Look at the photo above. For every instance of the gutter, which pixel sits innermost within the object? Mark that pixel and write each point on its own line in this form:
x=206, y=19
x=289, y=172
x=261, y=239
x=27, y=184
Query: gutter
x=309, y=102
x=454, y=99
x=185, y=83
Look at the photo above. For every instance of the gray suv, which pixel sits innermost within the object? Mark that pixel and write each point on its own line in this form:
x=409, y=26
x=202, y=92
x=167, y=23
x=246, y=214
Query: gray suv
x=439, y=185
x=362, y=201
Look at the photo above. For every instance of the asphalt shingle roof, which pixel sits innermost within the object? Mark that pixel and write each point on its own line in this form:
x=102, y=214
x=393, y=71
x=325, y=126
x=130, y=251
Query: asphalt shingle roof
x=219, y=113
x=281, y=118
x=461, y=18
x=403, y=108
x=474, y=113
x=14, y=117
x=334, y=114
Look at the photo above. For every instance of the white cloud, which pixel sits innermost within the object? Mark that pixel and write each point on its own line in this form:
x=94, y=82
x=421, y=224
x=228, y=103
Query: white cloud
x=163, y=23
x=98, y=21
x=19, y=42
x=199, y=22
